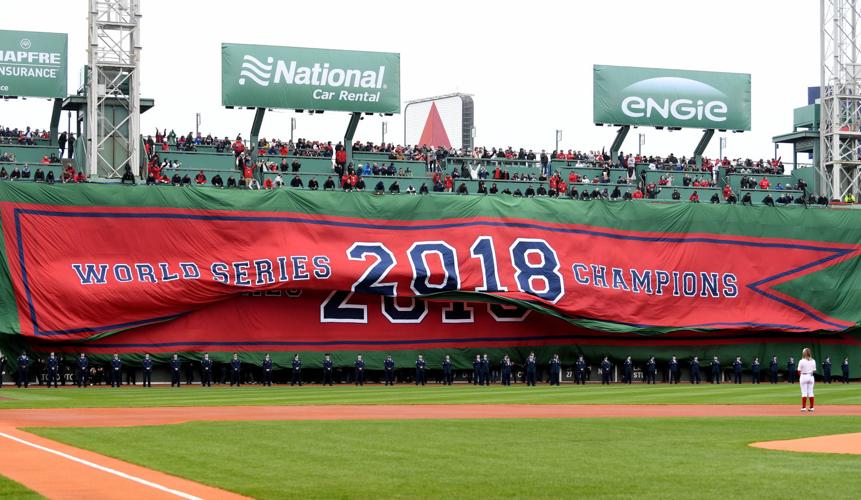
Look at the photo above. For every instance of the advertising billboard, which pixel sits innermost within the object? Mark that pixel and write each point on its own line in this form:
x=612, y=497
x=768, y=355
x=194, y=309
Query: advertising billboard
x=269, y=76
x=445, y=121
x=33, y=64
x=671, y=98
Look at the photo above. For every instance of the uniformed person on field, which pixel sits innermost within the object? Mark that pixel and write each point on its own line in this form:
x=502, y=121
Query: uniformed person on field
x=447, y=371
x=2, y=367
x=555, y=369
x=790, y=370
x=23, y=371
x=296, y=377
x=580, y=371
x=627, y=370
x=147, y=371
x=845, y=368
x=506, y=370
x=266, y=366
x=716, y=370
x=605, y=371
x=736, y=370
x=826, y=370
x=360, y=370
x=175, y=371
x=235, y=371
x=651, y=370
x=206, y=371
x=116, y=372
x=389, y=370
x=83, y=370
x=476, y=370
x=485, y=370
x=53, y=370
x=772, y=370
x=674, y=371
x=530, y=369
x=755, y=368
x=327, y=369
x=695, y=370
x=420, y=370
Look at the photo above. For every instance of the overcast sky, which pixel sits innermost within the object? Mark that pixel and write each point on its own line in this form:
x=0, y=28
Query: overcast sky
x=528, y=64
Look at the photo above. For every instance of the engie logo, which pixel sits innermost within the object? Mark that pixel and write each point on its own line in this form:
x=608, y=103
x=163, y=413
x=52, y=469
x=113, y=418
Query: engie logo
x=291, y=73
x=681, y=98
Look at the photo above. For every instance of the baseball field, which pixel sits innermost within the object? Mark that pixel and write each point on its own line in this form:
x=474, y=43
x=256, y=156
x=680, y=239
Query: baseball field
x=425, y=442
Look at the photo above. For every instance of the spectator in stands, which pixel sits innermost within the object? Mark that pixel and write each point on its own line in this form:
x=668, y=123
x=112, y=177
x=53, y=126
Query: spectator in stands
x=238, y=147
x=530, y=191
x=715, y=199
x=340, y=155
x=267, y=183
x=248, y=175
x=616, y=194
x=329, y=184
x=423, y=189
x=127, y=175
x=68, y=174
x=313, y=185
x=638, y=195
x=176, y=180
x=186, y=180
x=380, y=188
x=745, y=200
x=296, y=182
x=676, y=195
x=217, y=181
x=395, y=188
x=295, y=166
x=70, y=143
x=849, y=198
x=3, y=174
x=200, y=178
x=411, y=189
x=25, y=172
x=39, y=176
x=764, y=184
x=360, y=184
x=80, y=177
x=493, y=189
x=730, y=198
x=768, y=200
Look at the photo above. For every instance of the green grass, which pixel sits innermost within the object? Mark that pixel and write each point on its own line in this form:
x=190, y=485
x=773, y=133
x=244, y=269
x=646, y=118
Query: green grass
x=408, y=394
x=11, y=489
x=701, y=458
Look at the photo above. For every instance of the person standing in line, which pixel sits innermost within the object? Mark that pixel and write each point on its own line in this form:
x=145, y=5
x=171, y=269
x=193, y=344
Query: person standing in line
x=175, y=371
x=506, y=370
x=580, y=371
x=826, y=370
x=845, y=368
x=327, y=369
x=389, y=370
x=447, y=373
x=53, y=370
x=605, y=371
x=651, y=370
x=476, y=370
x=2, y=368
x=736, y=370
x=695, y=370
x=235, y=371
x=23, y=373
x=716, y=370
x=790, y=370
x=530, y=370
x=627, y=370
x=360, y=370
x=755, y=368
x=267, y=371
x=772, y=370
x=555, y=369
x=806, y=369
x=116, y=372
x=83, y=373
x=147, y=371
x=296, y=377
x=485, y=370
x=206, y=371
x=674, y=371
x=420, y=370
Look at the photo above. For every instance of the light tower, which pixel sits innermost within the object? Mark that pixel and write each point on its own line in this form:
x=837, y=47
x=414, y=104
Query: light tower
x=840, y=119
x=113, y=87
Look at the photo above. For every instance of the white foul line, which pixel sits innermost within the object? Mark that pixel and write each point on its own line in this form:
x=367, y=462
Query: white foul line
x=103, y=468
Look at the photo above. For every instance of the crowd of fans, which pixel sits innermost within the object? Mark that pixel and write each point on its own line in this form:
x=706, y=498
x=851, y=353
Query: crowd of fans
x=24, y=137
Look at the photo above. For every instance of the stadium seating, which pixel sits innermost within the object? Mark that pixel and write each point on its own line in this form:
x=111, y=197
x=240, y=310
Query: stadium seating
x=28, y=154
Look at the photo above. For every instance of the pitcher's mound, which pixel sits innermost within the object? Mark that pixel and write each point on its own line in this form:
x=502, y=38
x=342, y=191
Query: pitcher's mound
x=837, y=443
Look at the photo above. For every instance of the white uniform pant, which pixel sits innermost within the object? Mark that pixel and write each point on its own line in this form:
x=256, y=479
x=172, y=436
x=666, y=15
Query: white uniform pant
x=806, y=386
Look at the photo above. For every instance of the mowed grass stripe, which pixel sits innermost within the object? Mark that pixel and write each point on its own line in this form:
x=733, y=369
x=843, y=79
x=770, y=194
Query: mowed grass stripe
x=619, y=458
x=137, y=396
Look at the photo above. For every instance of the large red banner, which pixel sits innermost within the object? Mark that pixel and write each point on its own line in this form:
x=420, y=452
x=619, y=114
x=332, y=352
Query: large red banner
x=78, y=271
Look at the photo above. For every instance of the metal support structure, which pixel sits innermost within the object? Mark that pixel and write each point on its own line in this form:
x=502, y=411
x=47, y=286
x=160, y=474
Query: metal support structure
x=113, y=95
x=349, y=134
x=840, y=119
x=55, y=121
x=617, y=143
x=256, y=125
x=702, y=145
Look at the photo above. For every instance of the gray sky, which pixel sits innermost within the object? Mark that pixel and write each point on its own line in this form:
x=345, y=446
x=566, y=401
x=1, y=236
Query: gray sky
x=528, y=64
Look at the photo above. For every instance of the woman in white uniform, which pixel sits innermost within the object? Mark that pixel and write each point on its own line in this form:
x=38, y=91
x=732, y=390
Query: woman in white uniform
x=806, y=369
